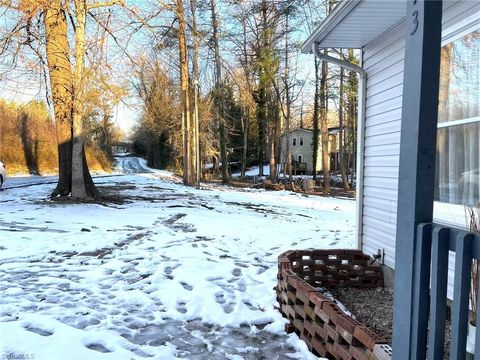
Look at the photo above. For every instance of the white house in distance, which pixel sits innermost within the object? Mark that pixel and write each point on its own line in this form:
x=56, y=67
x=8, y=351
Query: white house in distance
x=301, y=150
x=378, y=29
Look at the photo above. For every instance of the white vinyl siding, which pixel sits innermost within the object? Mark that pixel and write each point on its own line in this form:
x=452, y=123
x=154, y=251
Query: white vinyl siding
x=383, y=60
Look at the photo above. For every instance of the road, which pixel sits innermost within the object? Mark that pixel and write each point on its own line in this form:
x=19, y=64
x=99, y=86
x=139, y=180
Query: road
x=125, y=165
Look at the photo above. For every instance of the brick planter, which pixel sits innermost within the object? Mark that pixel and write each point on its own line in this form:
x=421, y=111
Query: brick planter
x=326, y=329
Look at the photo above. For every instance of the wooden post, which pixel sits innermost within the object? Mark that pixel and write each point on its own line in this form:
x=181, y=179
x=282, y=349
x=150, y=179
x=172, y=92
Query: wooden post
x=417, y=161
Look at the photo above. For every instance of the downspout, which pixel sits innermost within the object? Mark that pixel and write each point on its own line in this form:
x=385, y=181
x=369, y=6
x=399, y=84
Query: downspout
x=362, y=92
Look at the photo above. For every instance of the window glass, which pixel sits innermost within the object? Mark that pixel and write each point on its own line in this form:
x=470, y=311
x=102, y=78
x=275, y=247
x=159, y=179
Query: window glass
x=294, y=141
x=301, y=140
x=458, y=137
x=299, y=158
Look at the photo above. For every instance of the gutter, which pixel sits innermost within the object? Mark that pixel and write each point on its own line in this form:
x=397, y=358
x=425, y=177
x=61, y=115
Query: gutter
x=362, y=92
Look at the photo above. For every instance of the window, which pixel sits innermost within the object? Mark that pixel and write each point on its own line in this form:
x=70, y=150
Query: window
x=301, y=140
x=299, y=158
x=458, y=138
x=294, y=141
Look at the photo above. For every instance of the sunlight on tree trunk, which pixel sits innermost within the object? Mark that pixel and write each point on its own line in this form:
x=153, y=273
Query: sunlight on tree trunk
x=58, y=57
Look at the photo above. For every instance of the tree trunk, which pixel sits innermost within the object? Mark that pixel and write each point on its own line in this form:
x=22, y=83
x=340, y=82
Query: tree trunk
x=289, y=105
x=60, y=74
x=324, y=125
x=343, y=164
x=316, y=116
x=245, y=110
x=246, y=126
x=184, y=82
x=82, y=183
x=218, y=86
x=196, y=137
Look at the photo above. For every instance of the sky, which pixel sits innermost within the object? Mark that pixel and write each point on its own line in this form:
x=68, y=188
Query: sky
x=24, y=87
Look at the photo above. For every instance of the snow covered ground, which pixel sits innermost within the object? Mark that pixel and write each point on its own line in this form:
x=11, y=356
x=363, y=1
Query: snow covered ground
x=173, y=272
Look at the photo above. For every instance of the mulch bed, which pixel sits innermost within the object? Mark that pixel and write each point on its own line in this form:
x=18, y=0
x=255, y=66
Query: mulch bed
x=374, y=308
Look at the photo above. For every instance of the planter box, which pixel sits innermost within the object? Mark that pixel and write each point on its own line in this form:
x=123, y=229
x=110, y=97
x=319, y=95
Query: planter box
x=327, y=330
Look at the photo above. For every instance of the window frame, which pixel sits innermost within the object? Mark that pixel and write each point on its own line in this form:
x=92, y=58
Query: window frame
x=445, y=213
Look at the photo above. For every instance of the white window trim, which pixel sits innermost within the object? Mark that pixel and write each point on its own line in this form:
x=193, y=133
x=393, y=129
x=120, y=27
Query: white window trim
x=446, y=213
x=459, y=122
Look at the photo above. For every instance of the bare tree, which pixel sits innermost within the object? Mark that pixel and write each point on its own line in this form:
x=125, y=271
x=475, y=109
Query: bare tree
x=218, y=92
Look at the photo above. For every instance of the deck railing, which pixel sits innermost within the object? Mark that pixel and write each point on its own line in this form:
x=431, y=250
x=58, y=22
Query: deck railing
x=429, y=311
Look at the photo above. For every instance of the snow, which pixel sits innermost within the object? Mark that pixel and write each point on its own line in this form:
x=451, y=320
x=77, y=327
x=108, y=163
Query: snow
x=253, y=171
x=173, y=272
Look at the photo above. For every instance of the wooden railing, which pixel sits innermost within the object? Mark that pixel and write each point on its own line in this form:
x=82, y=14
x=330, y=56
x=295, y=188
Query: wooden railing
x=429, y=311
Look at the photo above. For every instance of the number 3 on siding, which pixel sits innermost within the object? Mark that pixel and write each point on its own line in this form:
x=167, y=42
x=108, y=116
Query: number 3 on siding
x=415, y=19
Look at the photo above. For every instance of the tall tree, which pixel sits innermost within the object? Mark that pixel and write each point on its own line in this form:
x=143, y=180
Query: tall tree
x=219, y=111
x=316, y=117
x=324, y=125
x=61, y=87
x=196, y=138
x=341, y=138
x=185, y=90
x=66, y=89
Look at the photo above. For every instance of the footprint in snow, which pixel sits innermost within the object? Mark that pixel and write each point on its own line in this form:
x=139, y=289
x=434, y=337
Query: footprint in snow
x=237, y=272
x=186, y=286
x=98, y=347
x=219, y=298
x=38, y=331
x=181, y=308
x=243, y=265
x=228, y=308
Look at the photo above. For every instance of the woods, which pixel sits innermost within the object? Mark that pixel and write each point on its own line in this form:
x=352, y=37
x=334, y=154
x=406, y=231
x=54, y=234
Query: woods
x=215, y=85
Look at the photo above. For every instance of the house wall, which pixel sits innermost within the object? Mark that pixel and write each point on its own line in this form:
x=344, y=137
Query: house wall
x=306, y=150
x=383, y=60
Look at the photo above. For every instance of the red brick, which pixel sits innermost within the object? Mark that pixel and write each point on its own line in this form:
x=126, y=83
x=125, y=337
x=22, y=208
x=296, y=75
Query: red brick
x=344, y=334
x=308, y=326
x=294, y=281
x=330, y=349
x=319, y=347
x=292, y=297
x=309, y=312
x=342, y=352
x=288, y=309
x=305, y=337
x=347, y=323
x=299, y=312
x=316, y=298
x=283, y=296
x=358, y=352
x=298, y=324
x=321, y=314
x=331, y=333
x=369, y=355
x=321, y=332
x=303, y=291
x=332, y=310
x=337, y=251
x=367, y=337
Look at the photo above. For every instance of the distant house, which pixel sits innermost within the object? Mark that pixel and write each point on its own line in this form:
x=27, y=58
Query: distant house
x=301, y=150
